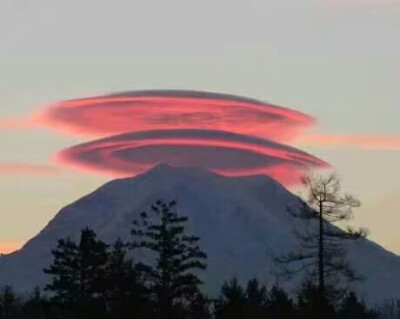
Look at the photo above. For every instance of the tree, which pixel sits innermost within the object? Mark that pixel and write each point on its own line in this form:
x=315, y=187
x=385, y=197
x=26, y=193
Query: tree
x=321, y=251
x=232, y=302
x=279, y=305
x=38, y=307
x=352, y=308
x=124, y=291
x=389, y=309
x=309, y=304
x=64, y=281
x=238, y=302
x=9, y=304
x=78, y=272
x=170, y=277
x=256, y=300
x=199, y=308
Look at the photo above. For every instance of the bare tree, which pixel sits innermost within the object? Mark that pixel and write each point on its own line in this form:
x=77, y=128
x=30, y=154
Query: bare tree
x=322, y=246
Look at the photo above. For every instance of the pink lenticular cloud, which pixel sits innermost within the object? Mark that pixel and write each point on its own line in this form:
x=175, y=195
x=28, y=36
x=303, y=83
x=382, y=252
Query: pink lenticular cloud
x=367, y=142
x=227, y=134
x=26, y=169
x=162, y=110
x=222, y=152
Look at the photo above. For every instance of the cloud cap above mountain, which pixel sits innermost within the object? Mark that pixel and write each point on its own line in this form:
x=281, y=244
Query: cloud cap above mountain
x=223, y=152
x=172, y=109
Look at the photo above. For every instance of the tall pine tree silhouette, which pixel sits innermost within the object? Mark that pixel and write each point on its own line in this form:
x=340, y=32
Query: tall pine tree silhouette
x=78, y=272
x=124, y=291
x=171, y=277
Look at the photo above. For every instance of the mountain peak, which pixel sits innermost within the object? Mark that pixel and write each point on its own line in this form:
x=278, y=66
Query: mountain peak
x=242, y=222
x=166, y=169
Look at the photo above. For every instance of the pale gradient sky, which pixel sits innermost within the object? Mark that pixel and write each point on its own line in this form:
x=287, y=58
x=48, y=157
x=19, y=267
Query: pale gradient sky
x=336, y=60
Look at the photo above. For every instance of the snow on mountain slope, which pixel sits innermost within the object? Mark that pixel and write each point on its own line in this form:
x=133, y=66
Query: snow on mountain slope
x=242, y=222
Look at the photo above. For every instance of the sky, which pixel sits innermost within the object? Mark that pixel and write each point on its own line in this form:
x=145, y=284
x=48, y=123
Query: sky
x=335, y=60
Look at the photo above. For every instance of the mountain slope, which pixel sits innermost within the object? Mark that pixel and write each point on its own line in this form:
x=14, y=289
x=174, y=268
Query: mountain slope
x=242, y=222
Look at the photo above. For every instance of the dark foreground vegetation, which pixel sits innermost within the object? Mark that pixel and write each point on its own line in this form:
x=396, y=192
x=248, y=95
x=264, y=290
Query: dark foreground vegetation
x=93, y=279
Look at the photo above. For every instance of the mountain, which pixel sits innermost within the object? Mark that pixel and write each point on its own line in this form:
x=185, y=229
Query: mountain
x=243, y=224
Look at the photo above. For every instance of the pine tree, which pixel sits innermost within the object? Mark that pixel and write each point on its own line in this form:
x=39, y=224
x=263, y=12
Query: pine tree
x=64, y=272
x=237, y=302
x=170, y=278
x=37, y=307
x=232, y=301
x=389, y=309
x=9, y=304
x=279, y=305
x=199, y=307
x=309, y=303
x=125, y=293
x=78, y=272
x=256, y=300
x=322, y=247
x=353, y=308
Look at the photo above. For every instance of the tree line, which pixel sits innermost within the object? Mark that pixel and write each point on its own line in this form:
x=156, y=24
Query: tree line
x=91, y=278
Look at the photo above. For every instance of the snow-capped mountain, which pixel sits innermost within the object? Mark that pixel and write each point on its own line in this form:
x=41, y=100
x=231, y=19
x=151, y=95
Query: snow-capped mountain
x=243, y=224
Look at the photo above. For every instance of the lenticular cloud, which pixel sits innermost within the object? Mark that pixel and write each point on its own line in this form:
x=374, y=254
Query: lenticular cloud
x=222, y=152
x=226, y=134
x=157, y=110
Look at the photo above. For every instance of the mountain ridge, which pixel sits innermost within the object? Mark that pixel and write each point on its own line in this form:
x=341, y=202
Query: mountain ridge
x=243, y=224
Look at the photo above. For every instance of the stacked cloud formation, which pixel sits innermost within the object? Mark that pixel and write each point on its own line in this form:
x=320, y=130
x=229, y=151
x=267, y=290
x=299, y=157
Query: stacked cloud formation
x=227, y=134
